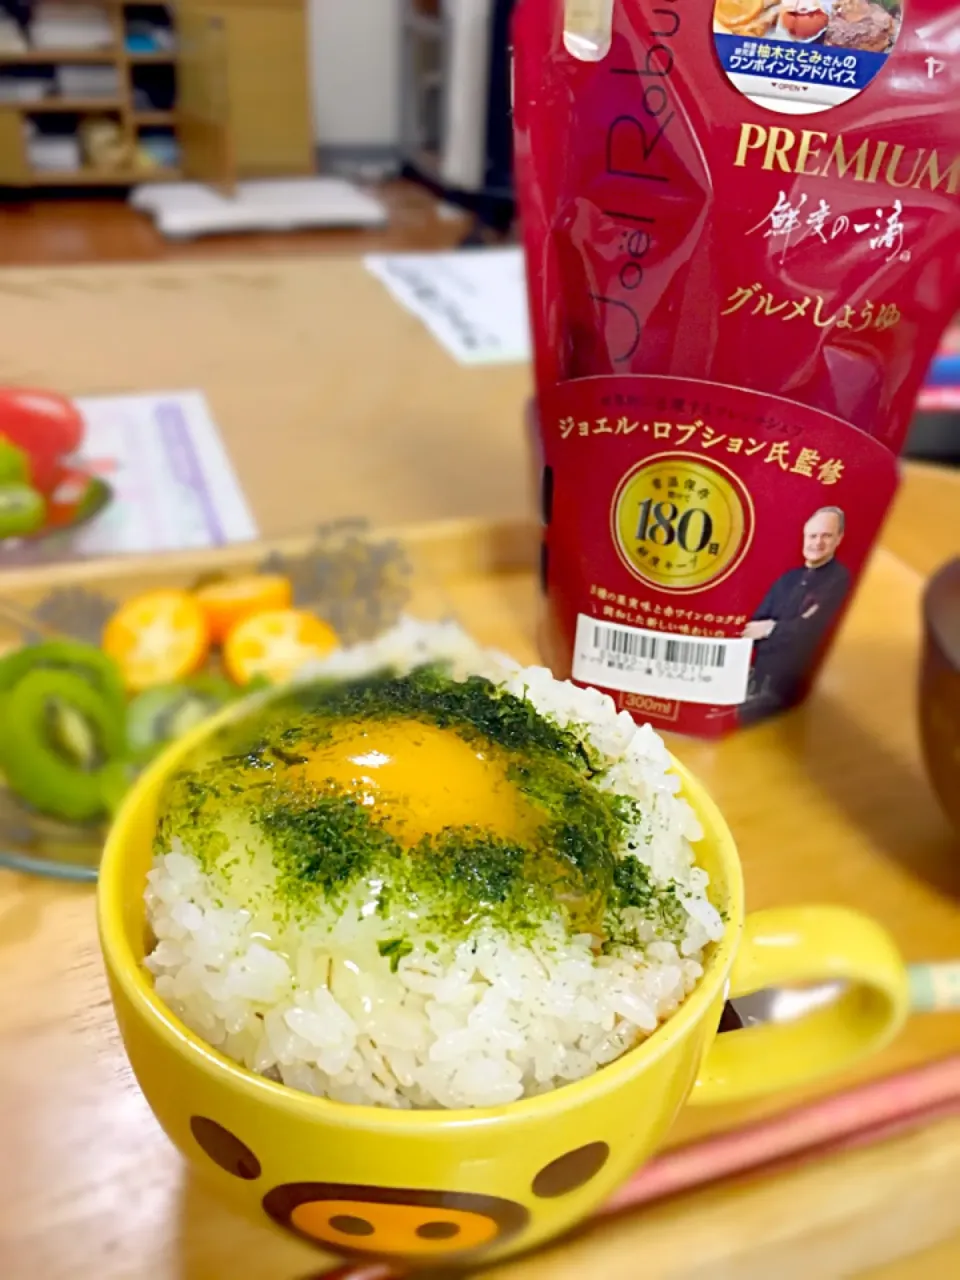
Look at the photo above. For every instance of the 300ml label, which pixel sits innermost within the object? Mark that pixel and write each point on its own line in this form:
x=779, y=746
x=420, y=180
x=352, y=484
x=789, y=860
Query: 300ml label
x=703, y=542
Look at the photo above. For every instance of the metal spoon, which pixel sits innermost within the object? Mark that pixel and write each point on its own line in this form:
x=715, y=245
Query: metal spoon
x=934, y=988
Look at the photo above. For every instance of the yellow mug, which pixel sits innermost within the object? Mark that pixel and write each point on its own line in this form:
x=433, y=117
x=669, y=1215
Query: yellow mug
x=448, y=1187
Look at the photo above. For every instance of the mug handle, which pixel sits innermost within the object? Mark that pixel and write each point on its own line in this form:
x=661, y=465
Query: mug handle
x=798, y=946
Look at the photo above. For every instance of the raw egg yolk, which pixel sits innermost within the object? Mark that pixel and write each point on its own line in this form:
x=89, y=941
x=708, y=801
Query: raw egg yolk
x=419, y=779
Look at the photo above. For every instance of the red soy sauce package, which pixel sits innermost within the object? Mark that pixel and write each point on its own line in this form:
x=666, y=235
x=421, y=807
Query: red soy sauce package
x=741, y=224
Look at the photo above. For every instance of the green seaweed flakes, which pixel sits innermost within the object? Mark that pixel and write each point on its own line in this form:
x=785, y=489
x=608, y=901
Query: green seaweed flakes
x=394, y=949
x=325, y=843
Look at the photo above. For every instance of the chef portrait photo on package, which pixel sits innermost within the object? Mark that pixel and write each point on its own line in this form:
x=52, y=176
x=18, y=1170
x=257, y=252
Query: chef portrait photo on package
x=791, y=620
x=742, y=233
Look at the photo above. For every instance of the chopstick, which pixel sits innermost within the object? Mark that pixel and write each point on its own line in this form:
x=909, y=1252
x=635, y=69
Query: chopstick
x=854, y=1118
x=843, y=1120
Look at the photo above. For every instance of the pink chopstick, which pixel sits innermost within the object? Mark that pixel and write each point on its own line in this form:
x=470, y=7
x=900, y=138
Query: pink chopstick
x=828, y=1122
x=855, y=1118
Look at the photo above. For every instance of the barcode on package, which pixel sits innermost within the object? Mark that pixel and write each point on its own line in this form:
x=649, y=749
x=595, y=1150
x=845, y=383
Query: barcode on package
x=705, y=669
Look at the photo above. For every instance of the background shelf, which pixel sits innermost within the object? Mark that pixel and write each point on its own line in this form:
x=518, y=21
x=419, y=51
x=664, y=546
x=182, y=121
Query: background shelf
x=218, y=89
x=90, y=177
x=67, y=105
x=42, y=57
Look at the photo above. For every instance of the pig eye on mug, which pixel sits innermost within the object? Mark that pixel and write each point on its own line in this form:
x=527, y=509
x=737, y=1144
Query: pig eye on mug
x=571, y=1171
x=225, y=1149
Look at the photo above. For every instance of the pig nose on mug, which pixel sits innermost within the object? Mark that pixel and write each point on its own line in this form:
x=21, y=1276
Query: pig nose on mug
x=394, y=1222
x=405, y=1230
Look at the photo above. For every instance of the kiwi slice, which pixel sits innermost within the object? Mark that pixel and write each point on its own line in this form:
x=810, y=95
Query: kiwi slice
x=62, y=742
x=92, y=665
x=158, y=716
x=14, y=467
x=22, y=510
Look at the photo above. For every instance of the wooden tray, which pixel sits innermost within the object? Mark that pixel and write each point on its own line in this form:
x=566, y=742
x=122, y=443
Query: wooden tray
x=360, y=582
x=829, y=804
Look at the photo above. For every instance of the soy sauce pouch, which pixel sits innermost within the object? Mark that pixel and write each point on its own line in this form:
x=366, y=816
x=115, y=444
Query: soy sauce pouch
x=741, y=224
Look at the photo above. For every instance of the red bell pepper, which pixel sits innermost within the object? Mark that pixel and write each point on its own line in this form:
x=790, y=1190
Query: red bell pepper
x=46, y=426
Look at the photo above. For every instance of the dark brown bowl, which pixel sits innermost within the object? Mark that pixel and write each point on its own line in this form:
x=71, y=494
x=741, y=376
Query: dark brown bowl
x=940, y=686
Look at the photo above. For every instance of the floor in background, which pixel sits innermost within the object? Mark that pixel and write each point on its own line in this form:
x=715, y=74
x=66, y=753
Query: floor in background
x=58, y=231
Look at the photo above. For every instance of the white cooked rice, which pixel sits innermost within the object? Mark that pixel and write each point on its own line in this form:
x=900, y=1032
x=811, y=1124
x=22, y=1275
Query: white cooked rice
x=472, y=1023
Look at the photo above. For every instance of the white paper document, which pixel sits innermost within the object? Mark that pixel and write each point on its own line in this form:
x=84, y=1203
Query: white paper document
x=185, y=209
x=173, y=483
x=473, y=301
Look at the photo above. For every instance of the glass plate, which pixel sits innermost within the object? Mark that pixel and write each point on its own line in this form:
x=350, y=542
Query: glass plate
x=79, y=498
x=358, y=583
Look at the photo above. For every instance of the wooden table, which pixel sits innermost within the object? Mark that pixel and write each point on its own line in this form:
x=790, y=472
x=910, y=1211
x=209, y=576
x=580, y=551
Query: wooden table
x=334, y=402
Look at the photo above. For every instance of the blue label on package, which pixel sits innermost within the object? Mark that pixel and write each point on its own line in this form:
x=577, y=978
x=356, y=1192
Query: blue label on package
x=851, y=69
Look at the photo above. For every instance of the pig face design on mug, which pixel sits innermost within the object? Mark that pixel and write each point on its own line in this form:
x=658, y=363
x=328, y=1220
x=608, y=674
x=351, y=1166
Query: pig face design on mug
x=402, y=1224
